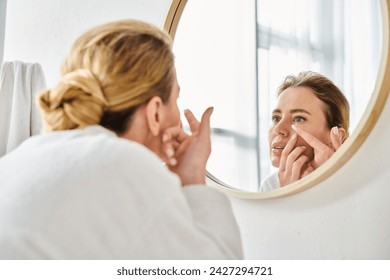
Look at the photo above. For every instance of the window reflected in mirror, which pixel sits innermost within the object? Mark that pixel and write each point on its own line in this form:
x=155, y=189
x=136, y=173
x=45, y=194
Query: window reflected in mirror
x=234, y=54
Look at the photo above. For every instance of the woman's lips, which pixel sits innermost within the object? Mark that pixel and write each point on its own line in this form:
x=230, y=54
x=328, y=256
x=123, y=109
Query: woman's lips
x=277, y=150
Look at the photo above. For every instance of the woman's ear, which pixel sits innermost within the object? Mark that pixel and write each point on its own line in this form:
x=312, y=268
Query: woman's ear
x=154, y=115
x=342, y=134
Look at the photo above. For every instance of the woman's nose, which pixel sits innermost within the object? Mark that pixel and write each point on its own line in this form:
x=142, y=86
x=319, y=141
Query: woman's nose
x=282, y=128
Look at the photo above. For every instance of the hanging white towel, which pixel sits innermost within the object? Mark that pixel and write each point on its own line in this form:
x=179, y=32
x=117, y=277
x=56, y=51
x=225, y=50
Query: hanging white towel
x=20, y=82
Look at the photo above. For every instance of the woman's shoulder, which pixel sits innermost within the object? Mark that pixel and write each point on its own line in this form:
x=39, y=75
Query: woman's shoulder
x=91, y=146
x=91, y=154
x=90, y=139
x=270, y=183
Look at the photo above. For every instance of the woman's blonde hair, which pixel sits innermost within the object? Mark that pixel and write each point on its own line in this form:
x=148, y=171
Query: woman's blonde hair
x=336, y=104
x=109, y=72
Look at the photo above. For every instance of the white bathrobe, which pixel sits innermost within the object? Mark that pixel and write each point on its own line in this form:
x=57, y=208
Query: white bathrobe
x=271, y=183
x=87, y=194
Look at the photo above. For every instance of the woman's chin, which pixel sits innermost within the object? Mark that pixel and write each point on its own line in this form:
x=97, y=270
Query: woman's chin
x=275, y=161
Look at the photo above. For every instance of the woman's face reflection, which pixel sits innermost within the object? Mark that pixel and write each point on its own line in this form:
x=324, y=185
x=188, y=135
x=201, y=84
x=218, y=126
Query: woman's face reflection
x=299, y=106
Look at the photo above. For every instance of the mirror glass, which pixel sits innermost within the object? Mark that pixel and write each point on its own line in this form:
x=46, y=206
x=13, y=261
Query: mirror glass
x=234, y=54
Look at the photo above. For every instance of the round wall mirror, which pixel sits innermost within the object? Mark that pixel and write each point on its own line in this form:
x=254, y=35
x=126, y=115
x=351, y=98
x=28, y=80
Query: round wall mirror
x=234, y=54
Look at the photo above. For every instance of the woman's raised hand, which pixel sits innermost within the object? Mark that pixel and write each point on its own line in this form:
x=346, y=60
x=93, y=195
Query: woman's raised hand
x=294, y=165
x=322, y=152
x=188, y=154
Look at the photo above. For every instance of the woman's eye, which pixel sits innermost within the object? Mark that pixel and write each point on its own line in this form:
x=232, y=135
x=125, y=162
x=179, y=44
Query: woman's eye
x=275, y=119
x=299, y=119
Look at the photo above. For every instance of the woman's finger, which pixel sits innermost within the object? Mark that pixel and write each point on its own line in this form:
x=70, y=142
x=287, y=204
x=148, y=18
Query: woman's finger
x=174, y=133
x=310, y=139
x=286, y=151
x=204, y=127
x=308, y=170
x=297, y=168
x=192, y=121
x=292, y=158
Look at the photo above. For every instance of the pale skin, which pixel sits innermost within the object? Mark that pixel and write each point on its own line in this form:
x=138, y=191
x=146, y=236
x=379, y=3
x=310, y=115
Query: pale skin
x=300, y=139
x=157, y=126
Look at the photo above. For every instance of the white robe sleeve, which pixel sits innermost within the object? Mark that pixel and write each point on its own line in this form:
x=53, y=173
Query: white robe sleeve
x=201, y=226
x=213, y=214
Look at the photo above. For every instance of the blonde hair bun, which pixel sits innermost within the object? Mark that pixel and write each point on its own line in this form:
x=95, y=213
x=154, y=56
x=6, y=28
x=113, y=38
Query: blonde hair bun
x=109, y=72
x=77, y=101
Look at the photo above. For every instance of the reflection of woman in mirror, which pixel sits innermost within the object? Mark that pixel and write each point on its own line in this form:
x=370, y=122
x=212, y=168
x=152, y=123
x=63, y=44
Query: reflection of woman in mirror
x=95, y=186
x=309, y=123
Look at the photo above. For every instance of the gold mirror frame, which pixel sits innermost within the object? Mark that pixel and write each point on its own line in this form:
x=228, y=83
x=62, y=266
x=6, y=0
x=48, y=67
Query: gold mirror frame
x=351, y=145
x=173, y=17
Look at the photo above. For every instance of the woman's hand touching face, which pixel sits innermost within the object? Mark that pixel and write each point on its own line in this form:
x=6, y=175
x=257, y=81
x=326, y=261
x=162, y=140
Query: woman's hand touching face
x=188, y=154
x=294, y=164
x=322, y=152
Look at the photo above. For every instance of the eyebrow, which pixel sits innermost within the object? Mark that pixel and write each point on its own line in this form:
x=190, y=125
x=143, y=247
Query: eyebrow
x=293, y=111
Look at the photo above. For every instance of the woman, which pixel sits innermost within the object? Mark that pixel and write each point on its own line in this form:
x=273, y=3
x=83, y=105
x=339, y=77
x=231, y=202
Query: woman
x=309, y=123
x=97, y=186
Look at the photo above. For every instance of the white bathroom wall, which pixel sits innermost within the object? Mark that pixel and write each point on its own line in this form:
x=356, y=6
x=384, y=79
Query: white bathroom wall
x=3, y=8
x=43, y=30
x=344, y=217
